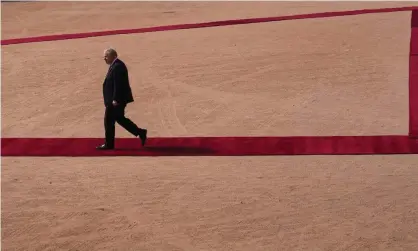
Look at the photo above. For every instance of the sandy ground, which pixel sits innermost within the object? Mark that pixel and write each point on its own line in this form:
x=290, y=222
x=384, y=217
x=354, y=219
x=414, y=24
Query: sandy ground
x=68, y=17
x=338, y=76
x=263, y=203
x=267, y=75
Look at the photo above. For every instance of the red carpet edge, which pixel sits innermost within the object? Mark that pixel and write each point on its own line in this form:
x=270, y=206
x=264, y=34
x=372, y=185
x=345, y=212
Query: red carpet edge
x=413, y=77
x=213, y=146
x=200, y=25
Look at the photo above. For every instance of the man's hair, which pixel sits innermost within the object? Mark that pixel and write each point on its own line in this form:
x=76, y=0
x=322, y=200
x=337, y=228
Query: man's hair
x=112, y=52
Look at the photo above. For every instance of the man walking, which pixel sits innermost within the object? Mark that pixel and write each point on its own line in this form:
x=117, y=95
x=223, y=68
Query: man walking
x=117, y=94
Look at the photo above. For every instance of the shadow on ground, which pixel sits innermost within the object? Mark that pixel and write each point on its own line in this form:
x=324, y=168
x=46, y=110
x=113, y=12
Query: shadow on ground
x=170, y=150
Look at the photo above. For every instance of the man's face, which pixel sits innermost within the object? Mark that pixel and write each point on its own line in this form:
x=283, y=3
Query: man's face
x=108, y=58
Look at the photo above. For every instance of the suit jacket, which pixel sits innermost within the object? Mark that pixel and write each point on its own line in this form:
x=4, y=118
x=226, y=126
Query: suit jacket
x=116, y=84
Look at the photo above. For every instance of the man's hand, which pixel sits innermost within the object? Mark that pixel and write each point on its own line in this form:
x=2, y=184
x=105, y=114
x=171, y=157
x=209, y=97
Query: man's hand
x=114, y=103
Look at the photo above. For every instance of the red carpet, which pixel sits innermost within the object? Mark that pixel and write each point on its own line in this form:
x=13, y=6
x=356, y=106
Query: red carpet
x=200, y=25
x=414, y=22
x=213, y=146
x=231, y=146
x=413, y=77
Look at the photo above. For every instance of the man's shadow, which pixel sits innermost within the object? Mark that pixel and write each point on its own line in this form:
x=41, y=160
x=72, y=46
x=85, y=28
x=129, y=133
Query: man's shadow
x=169, y=150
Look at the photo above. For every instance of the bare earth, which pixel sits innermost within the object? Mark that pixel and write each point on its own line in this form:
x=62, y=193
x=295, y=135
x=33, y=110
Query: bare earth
x=334, y=76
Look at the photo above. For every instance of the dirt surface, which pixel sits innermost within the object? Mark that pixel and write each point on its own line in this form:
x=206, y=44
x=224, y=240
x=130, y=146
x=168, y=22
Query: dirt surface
x=35, y=19
x=259, y=203
x=273, y=77
x=337, y=76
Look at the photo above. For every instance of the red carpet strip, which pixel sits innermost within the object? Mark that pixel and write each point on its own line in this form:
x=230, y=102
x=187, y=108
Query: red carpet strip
x=413, y=77
x=212, y=146
x=200, y=25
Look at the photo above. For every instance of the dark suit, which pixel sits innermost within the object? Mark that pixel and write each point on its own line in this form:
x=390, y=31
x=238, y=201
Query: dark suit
x=116, y=84
x=116, y=88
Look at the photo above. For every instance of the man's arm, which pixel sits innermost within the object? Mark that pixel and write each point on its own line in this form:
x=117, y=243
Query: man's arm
x=118, y=83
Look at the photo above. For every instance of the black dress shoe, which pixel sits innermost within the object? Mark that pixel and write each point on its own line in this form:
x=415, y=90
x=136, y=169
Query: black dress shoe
x=104, y=147
x=143, y=136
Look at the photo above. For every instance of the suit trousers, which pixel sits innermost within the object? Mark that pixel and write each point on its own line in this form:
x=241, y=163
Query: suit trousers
x=115, y=114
